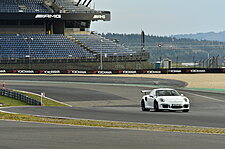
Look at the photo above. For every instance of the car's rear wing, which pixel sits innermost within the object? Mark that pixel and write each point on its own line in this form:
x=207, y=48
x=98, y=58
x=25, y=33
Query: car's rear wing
x=146, y=91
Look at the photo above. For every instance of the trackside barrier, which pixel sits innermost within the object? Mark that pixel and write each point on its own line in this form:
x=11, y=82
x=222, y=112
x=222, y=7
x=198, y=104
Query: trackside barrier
x=19, y=96
x=148, y=71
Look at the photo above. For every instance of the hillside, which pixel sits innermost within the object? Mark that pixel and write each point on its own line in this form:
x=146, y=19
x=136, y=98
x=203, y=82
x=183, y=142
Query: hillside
x=211, y=36
x=187, y=50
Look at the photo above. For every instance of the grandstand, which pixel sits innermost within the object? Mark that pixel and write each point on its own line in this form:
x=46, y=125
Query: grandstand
x=73, y=7
x=100, y=44
x=40, y=46
x=22, y=6
x=49, y=30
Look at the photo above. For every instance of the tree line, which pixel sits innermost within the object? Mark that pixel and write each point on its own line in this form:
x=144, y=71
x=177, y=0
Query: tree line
x=184, y=50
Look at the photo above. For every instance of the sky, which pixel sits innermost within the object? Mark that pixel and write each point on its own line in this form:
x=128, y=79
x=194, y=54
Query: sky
x=161, y=17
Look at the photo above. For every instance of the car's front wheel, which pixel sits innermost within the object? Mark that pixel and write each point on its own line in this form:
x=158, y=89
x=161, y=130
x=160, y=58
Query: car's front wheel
x=143, y=108
x=156, y=106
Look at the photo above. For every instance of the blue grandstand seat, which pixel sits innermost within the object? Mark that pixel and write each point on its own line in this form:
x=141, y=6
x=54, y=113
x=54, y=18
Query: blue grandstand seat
x=72, y=7
x=40, y=46
x=100, y=44
x=22, y=6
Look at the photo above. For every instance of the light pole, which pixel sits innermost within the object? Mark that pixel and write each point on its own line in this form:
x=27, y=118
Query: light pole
x=194, y=61
x=28, y=40
x=224, y=61
x=69, y=60
x=27, y=57
x=115, y=56
x=0, y=52
x=217, y=61
x=177, y=61
x=160, y=49
x=203, y=63
x=101, y=63
x=69, y=57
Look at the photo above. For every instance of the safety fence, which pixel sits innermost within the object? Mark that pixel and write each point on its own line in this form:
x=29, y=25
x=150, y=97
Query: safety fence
x=19, y=96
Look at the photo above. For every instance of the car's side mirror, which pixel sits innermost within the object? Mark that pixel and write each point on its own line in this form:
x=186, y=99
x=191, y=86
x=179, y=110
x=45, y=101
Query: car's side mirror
x=182, y=94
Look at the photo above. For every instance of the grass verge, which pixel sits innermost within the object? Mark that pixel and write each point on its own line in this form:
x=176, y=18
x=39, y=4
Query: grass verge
x=6, y=101
x=208, y=89
x=110, y=124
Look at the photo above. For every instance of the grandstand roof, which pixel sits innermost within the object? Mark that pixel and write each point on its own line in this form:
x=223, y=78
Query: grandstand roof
x=57, y=9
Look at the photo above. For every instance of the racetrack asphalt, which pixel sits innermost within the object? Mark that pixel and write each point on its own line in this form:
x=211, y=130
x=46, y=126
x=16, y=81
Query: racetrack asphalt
x=120, y=103
x=96, y=79
x=92, y=100
x=19, y=135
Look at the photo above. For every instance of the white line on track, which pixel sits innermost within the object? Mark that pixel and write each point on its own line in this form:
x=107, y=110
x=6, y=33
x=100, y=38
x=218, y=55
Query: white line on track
x=204, y=97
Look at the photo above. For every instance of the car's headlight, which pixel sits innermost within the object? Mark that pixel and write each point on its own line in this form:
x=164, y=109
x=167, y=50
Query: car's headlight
x=162, y=100
x=185, y=99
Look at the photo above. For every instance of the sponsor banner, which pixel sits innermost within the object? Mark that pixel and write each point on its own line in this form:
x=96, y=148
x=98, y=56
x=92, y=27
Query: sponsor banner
x=24, y=71
x=216, y=70
x=99, y=17
x=175, y=71
x=127, y=72
x=195, y=71
x=2, y=71
x=76, y=72
x=48, y=16
x=102, y=72
x=152, y=72
x=50, y=72
x=14, y=71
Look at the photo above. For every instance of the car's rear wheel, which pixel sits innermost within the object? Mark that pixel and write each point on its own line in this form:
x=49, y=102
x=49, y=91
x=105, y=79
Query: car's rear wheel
x=156, y=106
x=185, y=110
x=143, y=108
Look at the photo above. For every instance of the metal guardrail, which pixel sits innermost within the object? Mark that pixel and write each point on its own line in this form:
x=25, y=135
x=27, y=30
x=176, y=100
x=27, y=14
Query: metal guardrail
x=19, y=96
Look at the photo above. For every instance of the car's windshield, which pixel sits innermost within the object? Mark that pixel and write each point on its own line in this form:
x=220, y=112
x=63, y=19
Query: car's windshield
x=167, y=93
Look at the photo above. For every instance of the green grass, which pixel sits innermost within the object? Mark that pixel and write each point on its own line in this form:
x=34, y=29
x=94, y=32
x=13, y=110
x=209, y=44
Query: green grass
x=208, y=89
x=6, y=101
x=45, y=101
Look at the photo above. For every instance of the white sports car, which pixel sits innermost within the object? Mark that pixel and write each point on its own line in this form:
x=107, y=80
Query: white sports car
x=164, y=99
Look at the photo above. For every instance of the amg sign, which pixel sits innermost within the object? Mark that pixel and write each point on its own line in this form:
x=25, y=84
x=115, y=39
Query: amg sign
x=48, y=16
x=99, y=17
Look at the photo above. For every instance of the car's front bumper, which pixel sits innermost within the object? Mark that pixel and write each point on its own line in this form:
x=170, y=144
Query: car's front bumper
x=166, y=106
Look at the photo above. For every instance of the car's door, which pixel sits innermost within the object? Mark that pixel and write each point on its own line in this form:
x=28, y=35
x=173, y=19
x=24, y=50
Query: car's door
x=151, y=99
